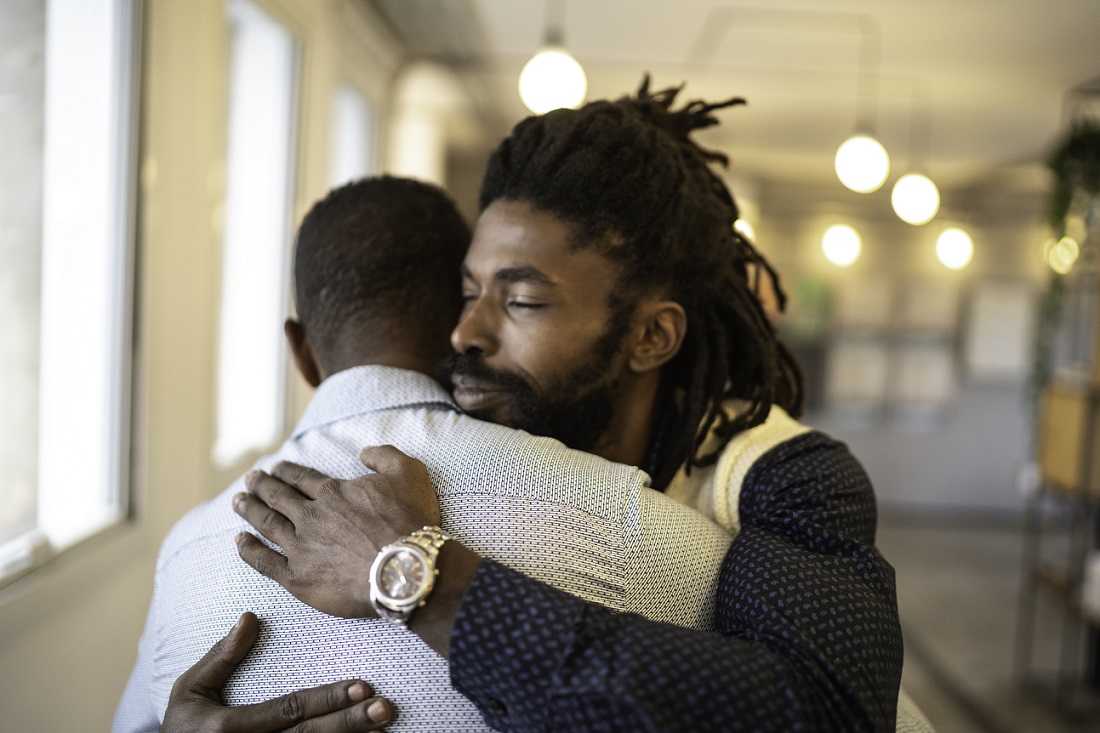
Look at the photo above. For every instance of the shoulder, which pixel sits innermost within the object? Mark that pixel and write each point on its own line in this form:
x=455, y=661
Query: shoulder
x=809, y=455
x=812, y=480
x=211, y=520
x=499, y=460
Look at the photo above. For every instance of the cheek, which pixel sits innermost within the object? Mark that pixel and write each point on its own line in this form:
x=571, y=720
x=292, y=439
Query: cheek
x=529, y=351
x=544, y=351
x=534, y=360
x=553, y=362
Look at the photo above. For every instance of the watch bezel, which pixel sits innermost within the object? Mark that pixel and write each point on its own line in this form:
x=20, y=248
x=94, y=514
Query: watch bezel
x=393, y=609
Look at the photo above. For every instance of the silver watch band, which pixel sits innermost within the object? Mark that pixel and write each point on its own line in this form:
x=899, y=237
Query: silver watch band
x=426, y=542
x=431, y=539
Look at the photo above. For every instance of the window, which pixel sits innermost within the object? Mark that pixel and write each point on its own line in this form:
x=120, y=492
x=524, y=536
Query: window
x=352, y=129
x=252, y=362
x=66, y=223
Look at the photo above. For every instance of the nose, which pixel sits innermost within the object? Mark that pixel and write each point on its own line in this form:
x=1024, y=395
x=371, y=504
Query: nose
x=475, y=332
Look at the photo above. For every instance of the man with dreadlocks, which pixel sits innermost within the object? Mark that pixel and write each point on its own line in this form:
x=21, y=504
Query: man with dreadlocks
x=608, y=305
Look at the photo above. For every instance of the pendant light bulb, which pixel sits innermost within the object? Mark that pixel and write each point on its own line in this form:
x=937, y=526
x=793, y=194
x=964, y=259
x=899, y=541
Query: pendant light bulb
x=552, y=79
x=1060, y=255
x=841, y=245
x=862, y=164
x=955, y=248
x=915, y=199
x=745, y=229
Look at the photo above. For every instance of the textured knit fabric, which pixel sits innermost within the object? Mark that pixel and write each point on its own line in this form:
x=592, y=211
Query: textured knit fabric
x=809, y=634
x=568, y=518
x=715, y=491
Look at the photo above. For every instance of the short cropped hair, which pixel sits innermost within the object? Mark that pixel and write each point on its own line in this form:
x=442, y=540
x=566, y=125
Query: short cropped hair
x=380, y=256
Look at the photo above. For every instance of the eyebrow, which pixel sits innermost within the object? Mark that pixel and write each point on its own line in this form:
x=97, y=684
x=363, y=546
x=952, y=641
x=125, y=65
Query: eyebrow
x=521, y=274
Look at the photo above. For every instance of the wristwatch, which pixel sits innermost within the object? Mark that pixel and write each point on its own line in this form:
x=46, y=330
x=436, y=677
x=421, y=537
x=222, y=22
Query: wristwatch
x=403, y=574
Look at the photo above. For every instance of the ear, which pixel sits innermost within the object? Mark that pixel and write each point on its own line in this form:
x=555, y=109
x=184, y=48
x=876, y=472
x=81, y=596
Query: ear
x=660, y=326
x=304, y=358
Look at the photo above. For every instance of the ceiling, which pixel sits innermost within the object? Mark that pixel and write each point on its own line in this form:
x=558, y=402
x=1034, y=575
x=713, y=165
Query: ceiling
x=961, y=88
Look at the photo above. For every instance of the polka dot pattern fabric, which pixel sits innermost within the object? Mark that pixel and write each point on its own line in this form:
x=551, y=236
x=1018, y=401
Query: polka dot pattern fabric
x=808, y=640
x=583, y=524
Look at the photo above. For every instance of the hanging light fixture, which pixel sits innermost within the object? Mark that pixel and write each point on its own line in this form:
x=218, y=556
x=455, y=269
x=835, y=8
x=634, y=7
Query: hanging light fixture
x=862, y=163
x=915, y=198
x=745, y=229
x=955, y=248
x=841, y=245
x=552, y=79
x=1061, y=254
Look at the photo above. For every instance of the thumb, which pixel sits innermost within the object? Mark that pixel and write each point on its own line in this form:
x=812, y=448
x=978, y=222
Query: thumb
x=209, y=674
x=382, y=458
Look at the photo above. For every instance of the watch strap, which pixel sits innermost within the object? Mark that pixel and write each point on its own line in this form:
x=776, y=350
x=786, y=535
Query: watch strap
x=428, y=541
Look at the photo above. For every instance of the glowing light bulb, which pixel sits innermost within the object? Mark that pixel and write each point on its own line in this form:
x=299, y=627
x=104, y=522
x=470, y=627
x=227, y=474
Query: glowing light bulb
x=552, y=79
x=955, y=248
x=915, y=199
x=1062, y=254
x=841, y=245
x=862, y=163
x=745, y=230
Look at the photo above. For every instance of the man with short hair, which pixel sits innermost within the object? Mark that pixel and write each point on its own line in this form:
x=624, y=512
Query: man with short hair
x=376, y=286
x=605, y=246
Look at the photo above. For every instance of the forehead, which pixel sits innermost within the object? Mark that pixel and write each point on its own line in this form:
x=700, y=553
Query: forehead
x=513, y=235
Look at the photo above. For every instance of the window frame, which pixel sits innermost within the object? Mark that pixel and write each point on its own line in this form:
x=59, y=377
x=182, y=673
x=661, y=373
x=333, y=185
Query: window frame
x=229, y=460
x=35, y=554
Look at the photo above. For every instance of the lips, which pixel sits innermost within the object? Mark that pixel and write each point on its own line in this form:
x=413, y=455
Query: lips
x=476, y=394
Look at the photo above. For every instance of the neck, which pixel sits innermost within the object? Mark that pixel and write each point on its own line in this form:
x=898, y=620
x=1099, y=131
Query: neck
x=627, y=438
x=398, y=357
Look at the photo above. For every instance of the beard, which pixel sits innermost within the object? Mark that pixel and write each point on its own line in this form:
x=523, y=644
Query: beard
x=577, y=410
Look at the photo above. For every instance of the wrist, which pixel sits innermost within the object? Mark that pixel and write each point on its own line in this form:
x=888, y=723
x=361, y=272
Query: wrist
x=418, y=582
x=403, y=574
x=435, y=621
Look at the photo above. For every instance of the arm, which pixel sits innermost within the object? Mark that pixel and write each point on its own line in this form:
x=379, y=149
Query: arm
x=807, y=610
x=807, y=607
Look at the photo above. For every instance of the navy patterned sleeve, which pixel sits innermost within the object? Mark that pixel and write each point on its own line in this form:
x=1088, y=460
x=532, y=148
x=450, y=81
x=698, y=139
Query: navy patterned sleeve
x=807, y=613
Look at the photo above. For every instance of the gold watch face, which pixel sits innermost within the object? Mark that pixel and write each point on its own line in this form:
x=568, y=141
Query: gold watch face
x=402, y=575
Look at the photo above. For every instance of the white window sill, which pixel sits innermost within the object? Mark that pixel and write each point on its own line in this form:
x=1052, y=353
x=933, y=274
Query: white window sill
x=61, y=580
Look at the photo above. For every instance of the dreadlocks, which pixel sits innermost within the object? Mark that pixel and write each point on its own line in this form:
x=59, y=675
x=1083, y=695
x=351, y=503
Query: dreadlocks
x=634, y=185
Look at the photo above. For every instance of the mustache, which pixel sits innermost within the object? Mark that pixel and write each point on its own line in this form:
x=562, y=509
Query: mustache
x=472, y=366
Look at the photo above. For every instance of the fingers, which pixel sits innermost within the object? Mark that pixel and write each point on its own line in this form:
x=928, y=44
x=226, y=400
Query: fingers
x=386, y=459
x=339, y=707
x=301, y=479
x=210, y=673
x=267, y=521
x=371, y=714
x=262, y=558
x=406, y=480
x=278, y=491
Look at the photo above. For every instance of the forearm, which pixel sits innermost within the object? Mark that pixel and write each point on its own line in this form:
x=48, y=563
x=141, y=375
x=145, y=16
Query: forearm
x=547, y=659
